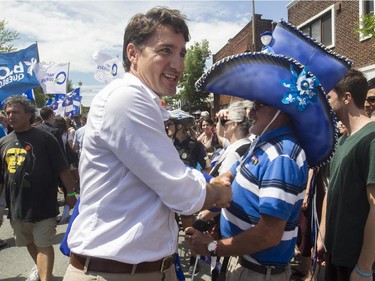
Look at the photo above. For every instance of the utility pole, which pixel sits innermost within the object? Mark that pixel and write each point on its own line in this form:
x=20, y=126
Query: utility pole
x=253, y=27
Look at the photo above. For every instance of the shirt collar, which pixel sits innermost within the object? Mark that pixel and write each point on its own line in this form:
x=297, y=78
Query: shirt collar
x=280, y=131
x=153, y=95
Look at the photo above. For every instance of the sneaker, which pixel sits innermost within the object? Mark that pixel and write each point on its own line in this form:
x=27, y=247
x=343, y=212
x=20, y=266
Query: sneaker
x=191, y=269
x=34, y=275
x=3, y=243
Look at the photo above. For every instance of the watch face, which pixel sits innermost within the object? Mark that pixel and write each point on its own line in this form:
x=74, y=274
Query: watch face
x=212, y=246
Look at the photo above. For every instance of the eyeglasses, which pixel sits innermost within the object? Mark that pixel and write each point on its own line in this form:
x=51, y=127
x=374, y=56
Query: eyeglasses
x=223, y=121
x=169, y=124
x=257, y=106
x=371, y=99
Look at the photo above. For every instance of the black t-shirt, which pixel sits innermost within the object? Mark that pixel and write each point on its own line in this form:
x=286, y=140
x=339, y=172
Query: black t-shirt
x=31, y=162
x=45, y=126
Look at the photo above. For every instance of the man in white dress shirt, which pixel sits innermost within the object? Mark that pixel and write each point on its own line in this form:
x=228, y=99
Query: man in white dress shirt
x=132, y=178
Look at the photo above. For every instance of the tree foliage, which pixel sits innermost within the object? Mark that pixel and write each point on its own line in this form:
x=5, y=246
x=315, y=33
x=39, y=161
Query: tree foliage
x=195, y=63
x=367, y=25
x=6, y=37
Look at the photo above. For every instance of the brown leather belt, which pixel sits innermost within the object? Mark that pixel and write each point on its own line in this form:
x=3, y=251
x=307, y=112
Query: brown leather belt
x=260, y=268
x=86, y=263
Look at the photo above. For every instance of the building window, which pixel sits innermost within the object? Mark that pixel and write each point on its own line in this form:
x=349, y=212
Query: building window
x=321, y=27
x=368, y=6
x=365, y=7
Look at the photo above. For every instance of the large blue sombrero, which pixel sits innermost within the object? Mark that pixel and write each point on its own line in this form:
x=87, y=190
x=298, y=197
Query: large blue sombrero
x=285, y=83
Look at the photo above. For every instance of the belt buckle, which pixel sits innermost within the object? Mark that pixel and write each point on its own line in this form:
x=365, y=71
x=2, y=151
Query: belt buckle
x=165, y=262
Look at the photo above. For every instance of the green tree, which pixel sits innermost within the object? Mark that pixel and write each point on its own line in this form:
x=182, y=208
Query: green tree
x=40, y=97
x=6, y=37
x=367, y=25
x=195, y=63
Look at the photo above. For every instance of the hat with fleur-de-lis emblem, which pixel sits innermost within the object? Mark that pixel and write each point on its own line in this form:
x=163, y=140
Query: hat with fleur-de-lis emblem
x=293, y=74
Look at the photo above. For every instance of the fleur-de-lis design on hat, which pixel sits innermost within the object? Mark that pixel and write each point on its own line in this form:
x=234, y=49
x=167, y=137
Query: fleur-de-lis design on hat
x=301, y=89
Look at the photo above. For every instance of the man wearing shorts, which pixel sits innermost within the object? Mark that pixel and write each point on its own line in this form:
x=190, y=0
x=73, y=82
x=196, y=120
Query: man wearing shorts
x=31, y=161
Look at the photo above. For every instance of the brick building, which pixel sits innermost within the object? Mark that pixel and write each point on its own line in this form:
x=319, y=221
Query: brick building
x=331, y=22
x=334, y=23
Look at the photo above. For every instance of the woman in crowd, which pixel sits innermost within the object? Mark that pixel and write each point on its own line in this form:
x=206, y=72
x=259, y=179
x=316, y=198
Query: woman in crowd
x=209, y=137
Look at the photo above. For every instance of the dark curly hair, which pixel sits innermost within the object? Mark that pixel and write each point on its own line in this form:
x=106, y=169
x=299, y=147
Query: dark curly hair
x=27, y=105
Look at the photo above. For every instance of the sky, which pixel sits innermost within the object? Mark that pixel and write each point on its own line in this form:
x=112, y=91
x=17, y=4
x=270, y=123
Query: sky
x=73, y=31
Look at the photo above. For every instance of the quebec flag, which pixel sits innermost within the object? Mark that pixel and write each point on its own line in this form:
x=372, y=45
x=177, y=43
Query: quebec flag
x=17, y=71
x=67, y=105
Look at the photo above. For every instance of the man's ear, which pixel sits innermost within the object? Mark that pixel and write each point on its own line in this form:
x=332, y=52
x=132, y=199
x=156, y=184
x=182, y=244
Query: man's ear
x=347, y=97
x=132, y=53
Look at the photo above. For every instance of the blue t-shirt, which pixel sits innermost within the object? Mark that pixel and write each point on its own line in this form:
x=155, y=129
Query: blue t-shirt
x=271, y=181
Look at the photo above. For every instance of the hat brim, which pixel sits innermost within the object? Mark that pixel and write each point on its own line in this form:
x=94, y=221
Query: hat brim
x=259, y=77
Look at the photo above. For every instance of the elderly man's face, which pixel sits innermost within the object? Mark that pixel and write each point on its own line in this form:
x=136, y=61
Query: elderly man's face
x=18, y=119
x=261, y=115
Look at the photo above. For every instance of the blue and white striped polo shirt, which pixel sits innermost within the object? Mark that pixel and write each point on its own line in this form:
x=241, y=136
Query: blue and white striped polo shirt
x=271, y=181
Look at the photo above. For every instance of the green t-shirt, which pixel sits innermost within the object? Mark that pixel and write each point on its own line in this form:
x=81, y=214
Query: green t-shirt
x=352, y=168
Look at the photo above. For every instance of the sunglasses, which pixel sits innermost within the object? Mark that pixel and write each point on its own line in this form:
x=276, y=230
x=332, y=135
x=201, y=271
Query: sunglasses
x=257, y=106
x=223, y=121
x=371, y=99
x=169, y=124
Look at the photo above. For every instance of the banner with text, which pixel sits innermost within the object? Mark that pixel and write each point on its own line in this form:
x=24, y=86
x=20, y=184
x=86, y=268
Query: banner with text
x=53, y=77
x=108, y=68
x=17, y=71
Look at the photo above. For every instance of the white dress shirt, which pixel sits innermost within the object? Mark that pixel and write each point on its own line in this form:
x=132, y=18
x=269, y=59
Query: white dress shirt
x=132, y=179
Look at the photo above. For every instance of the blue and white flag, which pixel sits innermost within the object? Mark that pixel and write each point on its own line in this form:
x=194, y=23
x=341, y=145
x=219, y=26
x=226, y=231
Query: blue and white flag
x=53, y=77
x=73, y=107
x=49, y=101
x=76, y=95
x=108, y=68
x=67, y=105
x=29, y=94
x=17, y=71
x=57, y=107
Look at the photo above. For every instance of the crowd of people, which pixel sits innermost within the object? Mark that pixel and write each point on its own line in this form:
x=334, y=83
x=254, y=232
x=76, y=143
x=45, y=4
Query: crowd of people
x=257, y=168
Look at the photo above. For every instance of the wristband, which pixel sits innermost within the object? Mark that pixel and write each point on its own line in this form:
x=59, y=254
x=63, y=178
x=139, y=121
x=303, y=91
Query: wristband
x=362, y=273
x=71, y=194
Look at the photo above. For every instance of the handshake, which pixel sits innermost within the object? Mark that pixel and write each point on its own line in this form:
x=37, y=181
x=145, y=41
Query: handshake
x=218, y=192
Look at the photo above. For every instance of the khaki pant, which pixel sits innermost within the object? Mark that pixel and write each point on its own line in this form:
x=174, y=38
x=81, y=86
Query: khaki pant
x=74, y=274
x=41, y=233
x=236, y=272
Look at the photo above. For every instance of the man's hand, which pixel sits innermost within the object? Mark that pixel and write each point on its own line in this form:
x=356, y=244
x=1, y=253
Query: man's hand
x=71, y=201
x=320, y=251
x=223, y=192
x=198, y=241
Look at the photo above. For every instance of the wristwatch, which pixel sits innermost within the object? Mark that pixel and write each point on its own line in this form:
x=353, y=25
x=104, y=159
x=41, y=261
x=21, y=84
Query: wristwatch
x=212, y=248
